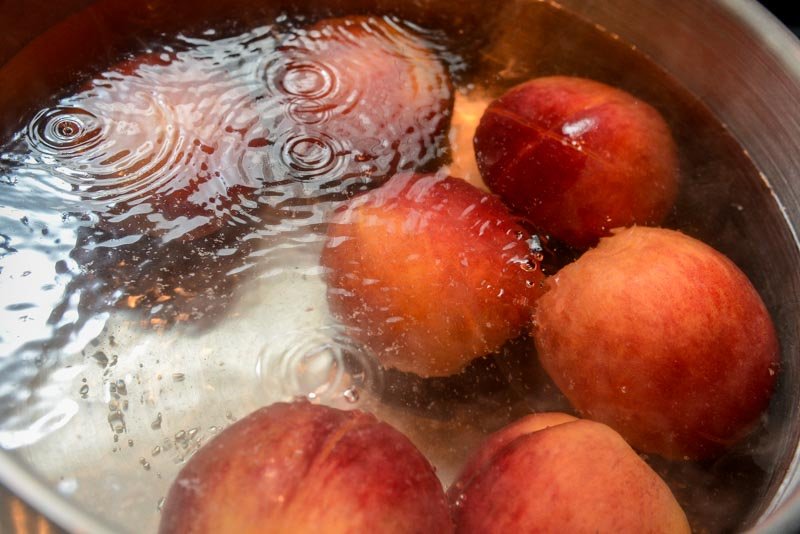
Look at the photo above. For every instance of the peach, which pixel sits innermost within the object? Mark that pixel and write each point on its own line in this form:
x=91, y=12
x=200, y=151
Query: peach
x=467, y=113
x=303, y=468
x=578, y=157
x=498, y=440
x=429, y=273
x=552, y=473
x=662, y=338
x=367, y=94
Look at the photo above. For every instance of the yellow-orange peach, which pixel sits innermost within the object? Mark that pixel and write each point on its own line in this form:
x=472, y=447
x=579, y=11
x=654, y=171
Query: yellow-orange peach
x=662, y=338
x=467, y=112
x=501, y=438
x=551, y=473
x=430, y=273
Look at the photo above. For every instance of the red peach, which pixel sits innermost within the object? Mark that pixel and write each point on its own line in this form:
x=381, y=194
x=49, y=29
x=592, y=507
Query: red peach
x=429, y=273
x=302, y=468
x=567, y=476
x=662, y=338
x=498, y=440
x=578, y=157
x=370, y=91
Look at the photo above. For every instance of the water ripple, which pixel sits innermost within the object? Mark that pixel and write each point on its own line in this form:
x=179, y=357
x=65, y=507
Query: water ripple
x=319, y=363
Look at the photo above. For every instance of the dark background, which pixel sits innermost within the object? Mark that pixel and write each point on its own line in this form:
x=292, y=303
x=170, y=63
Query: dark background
x=783, y=10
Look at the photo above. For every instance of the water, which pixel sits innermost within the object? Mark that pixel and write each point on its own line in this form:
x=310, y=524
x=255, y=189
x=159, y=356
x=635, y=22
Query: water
x=163, y=213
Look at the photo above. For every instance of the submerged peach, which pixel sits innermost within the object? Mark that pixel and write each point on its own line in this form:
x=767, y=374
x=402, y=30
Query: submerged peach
x=467, y=112
x=498, y=440
x=302, y=468
x=561, y=475
x=662, y=338
x=429, y=273
x=365, y=97
x=578, y=157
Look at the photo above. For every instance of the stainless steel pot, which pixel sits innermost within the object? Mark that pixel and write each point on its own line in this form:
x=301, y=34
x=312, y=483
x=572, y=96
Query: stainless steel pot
x=731, y=54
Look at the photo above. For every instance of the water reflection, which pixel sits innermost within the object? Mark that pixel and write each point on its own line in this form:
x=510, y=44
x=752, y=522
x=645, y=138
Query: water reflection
x=170, y=181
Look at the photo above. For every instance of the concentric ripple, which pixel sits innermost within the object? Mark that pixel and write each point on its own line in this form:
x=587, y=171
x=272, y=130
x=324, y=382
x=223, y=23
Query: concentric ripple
x=64, y=131
x=310, y=88
x=156, y=139
x=307, y=79
x=320, y=364
x=308, y=156
x=109, y=151
x=370, y=85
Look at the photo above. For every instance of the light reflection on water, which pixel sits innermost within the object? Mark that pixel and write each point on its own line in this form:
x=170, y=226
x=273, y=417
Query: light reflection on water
x=179, y=181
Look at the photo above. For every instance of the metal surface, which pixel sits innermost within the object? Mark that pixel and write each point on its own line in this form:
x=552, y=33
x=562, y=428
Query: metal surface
x=732, y=54
x=16, y=516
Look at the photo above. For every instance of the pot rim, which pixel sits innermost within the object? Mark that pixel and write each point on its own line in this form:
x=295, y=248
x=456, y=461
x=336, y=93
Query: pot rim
x=783, y=513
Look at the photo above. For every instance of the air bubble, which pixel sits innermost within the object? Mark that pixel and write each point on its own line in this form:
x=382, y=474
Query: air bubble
x=156, y=424
x=351, y=395
x=67, y=486
x=116, y=420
